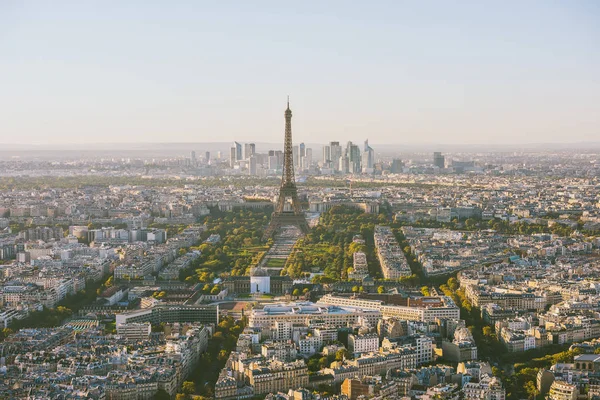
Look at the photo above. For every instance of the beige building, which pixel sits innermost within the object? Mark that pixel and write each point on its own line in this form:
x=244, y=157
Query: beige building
x=561, y=390
x=277, y=376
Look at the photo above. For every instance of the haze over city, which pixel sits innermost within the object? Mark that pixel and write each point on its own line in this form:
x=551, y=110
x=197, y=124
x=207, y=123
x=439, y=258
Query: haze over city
x=395, y=72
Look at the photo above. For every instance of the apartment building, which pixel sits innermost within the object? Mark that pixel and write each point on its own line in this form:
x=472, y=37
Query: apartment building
x=282, y=351
x=277, y=376
x=391, y=257
x=422, y=312
x=304, y=313
x=135, y=331
x=358, y=344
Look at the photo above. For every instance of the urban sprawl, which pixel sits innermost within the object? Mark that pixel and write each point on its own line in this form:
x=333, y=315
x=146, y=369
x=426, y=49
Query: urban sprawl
x=424, y=276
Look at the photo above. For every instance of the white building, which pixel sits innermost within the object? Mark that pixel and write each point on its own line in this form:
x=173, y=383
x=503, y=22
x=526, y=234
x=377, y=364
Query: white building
x=260, y=281
x=305, y=313
x=135, y=331
x=425, y=312
x=368, y=343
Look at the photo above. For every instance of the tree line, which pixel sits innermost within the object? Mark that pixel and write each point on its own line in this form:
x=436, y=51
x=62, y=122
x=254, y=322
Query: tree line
x=329, y=247
x=240, y=246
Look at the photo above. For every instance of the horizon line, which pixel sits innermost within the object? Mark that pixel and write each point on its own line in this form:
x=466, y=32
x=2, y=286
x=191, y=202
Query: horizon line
x=13, y=144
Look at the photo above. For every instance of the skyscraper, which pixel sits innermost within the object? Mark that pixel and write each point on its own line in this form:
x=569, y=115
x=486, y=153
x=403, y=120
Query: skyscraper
x=249, y=150
x=354, y=158
x=336, y=153
x=326, y=156
x=344, y=164
x=438, y=160
x=232, y=157
x=368, y=158
x=296, y=156
x=238, y=151
x=252, y=165
x=307, y=159
x=273, y=163
x=397, y=166
x=279, y=155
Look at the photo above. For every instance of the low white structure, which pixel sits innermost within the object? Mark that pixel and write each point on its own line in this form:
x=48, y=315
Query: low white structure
x=260, y=281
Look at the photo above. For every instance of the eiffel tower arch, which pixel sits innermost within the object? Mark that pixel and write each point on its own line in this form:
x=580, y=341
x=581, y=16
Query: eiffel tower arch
x=285, y=216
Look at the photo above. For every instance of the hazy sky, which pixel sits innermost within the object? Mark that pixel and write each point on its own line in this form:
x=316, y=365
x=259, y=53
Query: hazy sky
x=391, y=71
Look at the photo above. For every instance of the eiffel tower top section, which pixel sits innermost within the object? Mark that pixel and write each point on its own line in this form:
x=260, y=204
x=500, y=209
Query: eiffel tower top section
x=288, y=179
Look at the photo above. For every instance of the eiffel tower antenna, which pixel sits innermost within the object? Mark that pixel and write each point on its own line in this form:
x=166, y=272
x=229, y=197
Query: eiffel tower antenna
x=288, y=190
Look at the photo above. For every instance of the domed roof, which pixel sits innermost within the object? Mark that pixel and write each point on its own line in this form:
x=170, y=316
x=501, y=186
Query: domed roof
x=258, y=271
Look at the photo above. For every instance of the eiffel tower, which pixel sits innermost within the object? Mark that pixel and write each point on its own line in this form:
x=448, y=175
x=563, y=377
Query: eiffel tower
x=282, y=216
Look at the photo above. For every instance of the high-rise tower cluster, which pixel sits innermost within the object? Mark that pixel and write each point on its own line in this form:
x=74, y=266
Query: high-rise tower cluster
x=348, y=160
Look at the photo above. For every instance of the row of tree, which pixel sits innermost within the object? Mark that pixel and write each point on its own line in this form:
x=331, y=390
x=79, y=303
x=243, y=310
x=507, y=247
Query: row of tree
x=204, y=377
x=239, y=248
x=329, y=247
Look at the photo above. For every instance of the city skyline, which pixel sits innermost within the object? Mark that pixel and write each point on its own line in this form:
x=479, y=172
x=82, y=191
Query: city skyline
x=396, y=73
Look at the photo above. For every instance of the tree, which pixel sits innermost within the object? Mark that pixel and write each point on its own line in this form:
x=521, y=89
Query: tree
x=162, y=394
x=63, y=310
x=355, y=289
x=425, y=290
x=531, y=389
x=453, y=284
x=323, y=362
x=313, y=364
x=296, y=292
x=355, y=247
x=188, y=387
x=466, y=305
x=411, y=280
x=180, y=396
x=341, y=354
x=487, y=331
x=380, y=290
